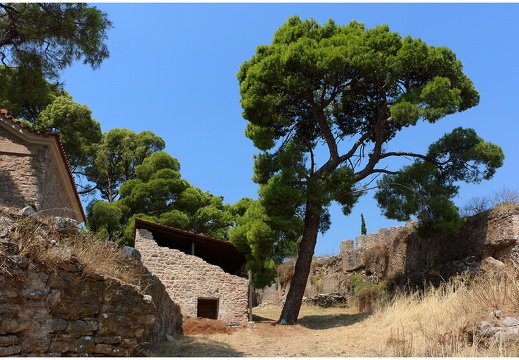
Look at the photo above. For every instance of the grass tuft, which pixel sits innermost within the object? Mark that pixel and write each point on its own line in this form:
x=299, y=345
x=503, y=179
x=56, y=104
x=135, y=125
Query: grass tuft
x=42, y=240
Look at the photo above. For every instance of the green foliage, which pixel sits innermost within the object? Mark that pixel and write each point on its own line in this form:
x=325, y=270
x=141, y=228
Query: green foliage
x=79, y=132
x=263, y=245
x=363, y=230
x=320, y=84
x=366, y=294
x=116, y=158
x=213, y=217
x=45, y=38
x=430, y=183
x=38, y=41
x=25, y=93
x=107, y=219
x=323, y=103
x=356, y=282
x=158, y=193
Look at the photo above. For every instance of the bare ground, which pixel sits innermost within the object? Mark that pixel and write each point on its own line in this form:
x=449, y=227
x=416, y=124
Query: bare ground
x=332, y=332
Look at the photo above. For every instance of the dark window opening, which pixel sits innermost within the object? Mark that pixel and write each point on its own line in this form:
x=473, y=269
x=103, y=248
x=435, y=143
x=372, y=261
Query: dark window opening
x=207, y=308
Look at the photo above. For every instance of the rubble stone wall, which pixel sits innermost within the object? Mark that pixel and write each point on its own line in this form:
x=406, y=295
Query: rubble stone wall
x=486, y=240
x=188, y=278
x=58, y=310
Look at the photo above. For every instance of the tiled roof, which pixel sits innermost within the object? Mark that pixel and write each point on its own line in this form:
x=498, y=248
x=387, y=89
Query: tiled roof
x=56, y=136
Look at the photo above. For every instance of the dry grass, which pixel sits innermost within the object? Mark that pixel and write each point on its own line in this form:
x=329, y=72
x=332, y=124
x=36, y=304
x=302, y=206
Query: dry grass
x=320, y=332
x=41, y=240
x=437, y=322
x=443, y=321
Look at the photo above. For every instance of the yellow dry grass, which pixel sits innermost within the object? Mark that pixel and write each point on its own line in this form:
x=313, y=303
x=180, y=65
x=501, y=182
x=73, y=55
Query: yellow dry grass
x=42, y=240
x=437, y=322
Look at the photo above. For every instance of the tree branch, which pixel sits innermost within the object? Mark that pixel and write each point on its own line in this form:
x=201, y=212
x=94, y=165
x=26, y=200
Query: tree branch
x=405, y=153
x=380, y=186
x=327, y=133
x=384, y=171
x=377, y=149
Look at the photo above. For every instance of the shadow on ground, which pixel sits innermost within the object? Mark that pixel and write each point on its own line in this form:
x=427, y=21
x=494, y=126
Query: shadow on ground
x=321, y=322
x=257, y=318
x=191, y=346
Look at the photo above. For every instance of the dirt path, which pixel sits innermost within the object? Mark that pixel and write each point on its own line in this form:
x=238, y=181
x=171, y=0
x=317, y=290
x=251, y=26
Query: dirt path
x=319, y=333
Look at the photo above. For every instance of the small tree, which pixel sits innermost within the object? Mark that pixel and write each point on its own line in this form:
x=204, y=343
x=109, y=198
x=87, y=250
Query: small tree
x=363, y=230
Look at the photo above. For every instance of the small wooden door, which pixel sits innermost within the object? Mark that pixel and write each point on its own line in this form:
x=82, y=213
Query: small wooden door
x=207, y=308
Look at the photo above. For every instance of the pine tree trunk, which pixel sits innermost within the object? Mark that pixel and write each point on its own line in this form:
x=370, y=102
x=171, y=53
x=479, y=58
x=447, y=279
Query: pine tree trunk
x=296, y=292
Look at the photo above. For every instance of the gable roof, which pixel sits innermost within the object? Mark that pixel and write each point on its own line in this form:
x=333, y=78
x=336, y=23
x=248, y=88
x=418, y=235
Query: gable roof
x=57, y=153
x=214, y=251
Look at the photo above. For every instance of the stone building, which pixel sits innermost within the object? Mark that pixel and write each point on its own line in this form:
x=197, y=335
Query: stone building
x=34, y=171
x=200, y=273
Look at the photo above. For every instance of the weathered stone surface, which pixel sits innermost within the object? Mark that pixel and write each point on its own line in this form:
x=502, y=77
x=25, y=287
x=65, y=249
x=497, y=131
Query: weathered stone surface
x=132, y=252
x=327, y=300
x=52, y=310
x=104, y=349
x=8, y=340
x=188, y=278
x=487, y=242
x=491, y=264
x=110, y=340
x=28, y=211
x=10, y=350
x=109, y=350
x=510, y=322
x=499, y=330
x=129, y=343
x=80, y=327
x=58, y=325
x=85, y=344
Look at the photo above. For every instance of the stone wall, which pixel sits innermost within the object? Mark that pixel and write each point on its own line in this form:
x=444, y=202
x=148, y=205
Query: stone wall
x=53, y=199
x=188, y=278
x=28, y=177
x=489, y=237
x=374, y=247
x=487, y=240
x=56, y=308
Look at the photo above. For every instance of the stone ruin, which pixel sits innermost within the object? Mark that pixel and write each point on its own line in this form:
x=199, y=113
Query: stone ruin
x=58, y=309
x=487, y=241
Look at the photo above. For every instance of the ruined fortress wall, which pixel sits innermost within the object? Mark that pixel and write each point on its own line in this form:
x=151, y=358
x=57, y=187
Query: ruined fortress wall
x=488, y=238
x=491, y=234
x=188, y=278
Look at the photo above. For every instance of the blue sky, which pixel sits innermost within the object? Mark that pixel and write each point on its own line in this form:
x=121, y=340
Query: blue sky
x=172, y=70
